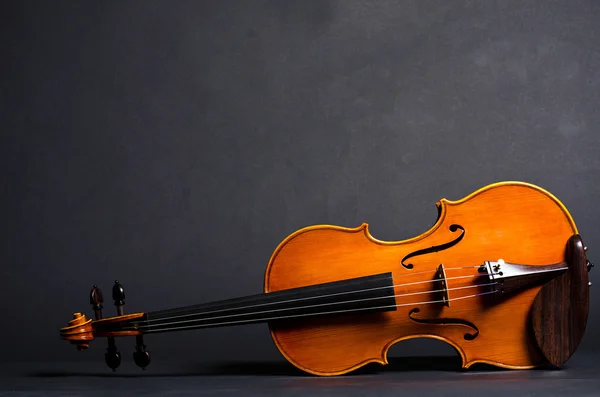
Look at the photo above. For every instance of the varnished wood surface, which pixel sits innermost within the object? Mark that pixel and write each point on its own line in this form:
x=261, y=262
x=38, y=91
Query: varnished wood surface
x=81, y=331
x=104, y=327
x=118, y=319
x=515, y=221
x=100, y=333
x=560, y=310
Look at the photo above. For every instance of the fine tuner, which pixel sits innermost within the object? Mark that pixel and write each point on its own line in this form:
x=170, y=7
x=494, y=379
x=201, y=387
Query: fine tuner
x=502, y=276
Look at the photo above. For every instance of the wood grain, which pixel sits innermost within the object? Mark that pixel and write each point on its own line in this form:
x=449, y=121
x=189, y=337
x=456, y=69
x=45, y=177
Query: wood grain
x=560, y=309
x=109, y=326
x=79, y=331
x=118, y=319
x=515, y=221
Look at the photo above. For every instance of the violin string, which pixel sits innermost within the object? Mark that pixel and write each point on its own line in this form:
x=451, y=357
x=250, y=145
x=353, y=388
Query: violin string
x=315, y=297
x=197, y=307
x=440, y=279
x=310, y=297
x=319, y=304
x=435, y=270
x=156, y=328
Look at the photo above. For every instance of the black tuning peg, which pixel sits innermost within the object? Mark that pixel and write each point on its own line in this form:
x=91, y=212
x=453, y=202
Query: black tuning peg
x=141, y=356
x=118, y=295
x=112, y=357
x=96, y=301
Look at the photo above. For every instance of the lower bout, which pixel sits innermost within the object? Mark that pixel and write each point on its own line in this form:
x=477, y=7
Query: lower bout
x=328, y=350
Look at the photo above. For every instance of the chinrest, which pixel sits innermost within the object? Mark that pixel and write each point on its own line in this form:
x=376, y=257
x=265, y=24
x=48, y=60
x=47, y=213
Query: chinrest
x=560, y=310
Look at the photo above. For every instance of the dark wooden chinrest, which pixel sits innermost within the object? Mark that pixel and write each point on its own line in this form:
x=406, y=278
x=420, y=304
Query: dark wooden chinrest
x=560, y=310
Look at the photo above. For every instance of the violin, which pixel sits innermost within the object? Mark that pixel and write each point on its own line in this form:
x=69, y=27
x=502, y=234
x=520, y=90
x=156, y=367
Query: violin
x=501, y=276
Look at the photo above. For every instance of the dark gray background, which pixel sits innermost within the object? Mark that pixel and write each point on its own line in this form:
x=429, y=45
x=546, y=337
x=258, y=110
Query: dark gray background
x=173, y=145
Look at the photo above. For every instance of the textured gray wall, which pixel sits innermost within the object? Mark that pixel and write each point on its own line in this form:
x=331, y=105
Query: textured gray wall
x=173, y=145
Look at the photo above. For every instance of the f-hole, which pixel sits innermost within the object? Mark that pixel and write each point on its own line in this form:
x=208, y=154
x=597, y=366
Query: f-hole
x=436, y=248
x=446, y=321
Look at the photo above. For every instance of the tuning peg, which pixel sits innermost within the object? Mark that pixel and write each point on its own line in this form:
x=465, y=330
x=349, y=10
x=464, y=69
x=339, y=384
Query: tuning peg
x=96, y=301
x=118, y=295
x=112, y=357
x=141, y=356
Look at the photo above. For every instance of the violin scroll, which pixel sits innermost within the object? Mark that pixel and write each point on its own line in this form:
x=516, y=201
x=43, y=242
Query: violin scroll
x=79, y=331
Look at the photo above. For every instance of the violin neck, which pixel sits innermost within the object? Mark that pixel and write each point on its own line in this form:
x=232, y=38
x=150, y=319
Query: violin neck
x=358, y=295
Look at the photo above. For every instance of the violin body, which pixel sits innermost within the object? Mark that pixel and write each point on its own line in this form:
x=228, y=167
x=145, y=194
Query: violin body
x=442, y=287
x=516, y=222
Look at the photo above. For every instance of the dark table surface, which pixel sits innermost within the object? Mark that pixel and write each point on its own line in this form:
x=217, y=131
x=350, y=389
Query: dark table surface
x=422, y=376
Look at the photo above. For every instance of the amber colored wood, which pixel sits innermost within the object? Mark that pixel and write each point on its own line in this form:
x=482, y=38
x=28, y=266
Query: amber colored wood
x=118, y=319
x=100, y=334
x=560, y=309
x=515, y=221
x=79, y=331
x=100, y=331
